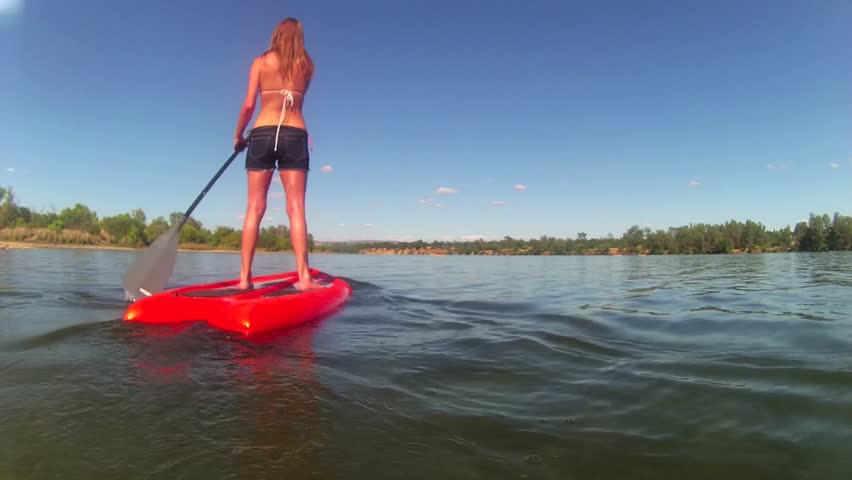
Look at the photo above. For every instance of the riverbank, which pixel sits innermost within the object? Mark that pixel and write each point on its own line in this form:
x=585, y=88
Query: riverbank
x=611, y=251
x=422, y=251
x=10, y=245
x=6, y=245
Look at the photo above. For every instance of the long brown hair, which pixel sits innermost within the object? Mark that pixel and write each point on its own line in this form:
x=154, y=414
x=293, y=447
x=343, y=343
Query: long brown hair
x=288, y=42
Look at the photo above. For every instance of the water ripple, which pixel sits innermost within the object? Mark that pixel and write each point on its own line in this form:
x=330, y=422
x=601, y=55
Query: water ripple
x=456, y=367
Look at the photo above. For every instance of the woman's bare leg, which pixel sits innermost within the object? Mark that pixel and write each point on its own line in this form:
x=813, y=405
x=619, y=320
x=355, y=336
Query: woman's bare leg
x=295, y=182
x=258, y=186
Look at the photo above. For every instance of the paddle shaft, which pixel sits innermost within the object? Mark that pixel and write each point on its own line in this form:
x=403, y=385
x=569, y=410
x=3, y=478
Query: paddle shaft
x=207, y=188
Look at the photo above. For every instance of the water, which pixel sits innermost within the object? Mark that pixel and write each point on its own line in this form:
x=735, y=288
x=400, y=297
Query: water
x=735, y=367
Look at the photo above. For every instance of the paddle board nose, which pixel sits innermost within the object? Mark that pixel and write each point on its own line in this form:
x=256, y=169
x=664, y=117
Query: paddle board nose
x=130, y=314
x=135, y=311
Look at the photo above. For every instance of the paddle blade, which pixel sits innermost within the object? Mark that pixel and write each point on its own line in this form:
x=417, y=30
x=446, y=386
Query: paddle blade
x=150, y=272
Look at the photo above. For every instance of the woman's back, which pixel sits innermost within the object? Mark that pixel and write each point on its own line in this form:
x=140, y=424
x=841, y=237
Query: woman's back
x=274, y=91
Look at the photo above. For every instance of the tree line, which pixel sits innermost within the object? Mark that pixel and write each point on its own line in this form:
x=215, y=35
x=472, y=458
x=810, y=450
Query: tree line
x=819, y=234
x=81, y=225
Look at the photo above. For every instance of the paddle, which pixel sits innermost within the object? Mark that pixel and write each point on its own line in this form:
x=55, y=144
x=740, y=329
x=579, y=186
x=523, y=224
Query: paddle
x=153, y=267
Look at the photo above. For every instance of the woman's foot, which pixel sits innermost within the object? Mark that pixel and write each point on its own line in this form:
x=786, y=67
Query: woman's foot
x=245, y=285
x=307, y=285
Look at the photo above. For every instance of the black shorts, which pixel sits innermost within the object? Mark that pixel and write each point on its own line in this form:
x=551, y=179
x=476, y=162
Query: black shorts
x=291, y=153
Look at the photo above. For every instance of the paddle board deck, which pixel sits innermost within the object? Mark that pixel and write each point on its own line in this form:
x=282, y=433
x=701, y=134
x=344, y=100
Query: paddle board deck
x=272, y=304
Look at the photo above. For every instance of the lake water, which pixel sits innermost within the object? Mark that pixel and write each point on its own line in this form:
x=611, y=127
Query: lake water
x=716, y=367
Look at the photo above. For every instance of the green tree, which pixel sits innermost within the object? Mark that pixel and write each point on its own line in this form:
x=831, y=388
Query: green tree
x=126, y=229
x=79, y=217
x=814, y=238
x=219, y=235
x=8, y=209
x=192, y=233
x=634, y=238
x=270, y=239
x=176, y=217
x=754, y=236
x=840, y=237
x=43, y=220
x=157, y=227
x=231, y=240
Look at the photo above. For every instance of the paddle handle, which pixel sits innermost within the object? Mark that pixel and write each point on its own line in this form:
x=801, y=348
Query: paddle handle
x=207, y=188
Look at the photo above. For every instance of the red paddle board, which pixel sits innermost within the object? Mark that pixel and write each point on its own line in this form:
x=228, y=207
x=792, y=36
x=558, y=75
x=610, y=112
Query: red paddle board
x=272, y=304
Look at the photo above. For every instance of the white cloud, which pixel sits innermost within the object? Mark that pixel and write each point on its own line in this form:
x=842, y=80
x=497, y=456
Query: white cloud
x=327, y=169
x=425, y=201
x=499, y=203
x=369, y=225
x=445, y=191
x=341, y=224
x=773, y=166
x=520, y=188
x=10, y=169
x=834, y=165
x=694, y=183
x=438, y=205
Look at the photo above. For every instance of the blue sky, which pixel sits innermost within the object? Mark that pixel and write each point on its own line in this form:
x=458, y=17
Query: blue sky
x=442, y=119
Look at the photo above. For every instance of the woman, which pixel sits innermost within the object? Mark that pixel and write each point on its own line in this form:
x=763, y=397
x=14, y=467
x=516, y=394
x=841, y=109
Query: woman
x=281, y=77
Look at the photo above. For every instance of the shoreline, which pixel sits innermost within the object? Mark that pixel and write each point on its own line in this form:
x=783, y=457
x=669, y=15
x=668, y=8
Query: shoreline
x=10, y=245
x=17, y=245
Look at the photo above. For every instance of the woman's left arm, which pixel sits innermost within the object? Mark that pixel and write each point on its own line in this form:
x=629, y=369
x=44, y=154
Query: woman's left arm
x=247, y=110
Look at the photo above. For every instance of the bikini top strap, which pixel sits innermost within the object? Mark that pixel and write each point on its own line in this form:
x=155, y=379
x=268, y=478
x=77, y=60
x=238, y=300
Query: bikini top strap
x=288, y=101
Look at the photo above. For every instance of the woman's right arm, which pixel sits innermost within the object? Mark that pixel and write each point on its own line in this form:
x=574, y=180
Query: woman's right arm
x=247, y=110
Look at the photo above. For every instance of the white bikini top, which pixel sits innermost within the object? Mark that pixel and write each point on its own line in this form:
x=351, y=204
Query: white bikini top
x=288, y=102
